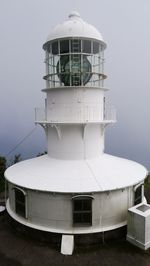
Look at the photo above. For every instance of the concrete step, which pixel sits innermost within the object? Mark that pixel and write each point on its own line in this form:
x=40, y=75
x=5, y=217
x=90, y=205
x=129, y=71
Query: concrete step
x=67, y=244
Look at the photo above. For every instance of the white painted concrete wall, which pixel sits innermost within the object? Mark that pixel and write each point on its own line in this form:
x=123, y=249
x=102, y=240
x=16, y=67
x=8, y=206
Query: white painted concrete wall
x=73, y=134
x=75, y=105
x=75, y=141
x=54, y=212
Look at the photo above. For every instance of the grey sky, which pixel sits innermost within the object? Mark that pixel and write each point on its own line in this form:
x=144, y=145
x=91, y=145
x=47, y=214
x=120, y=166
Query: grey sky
x=24, y=26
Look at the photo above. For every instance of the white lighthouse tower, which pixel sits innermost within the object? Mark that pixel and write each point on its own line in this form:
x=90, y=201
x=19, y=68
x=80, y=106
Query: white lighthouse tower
x=76, y=188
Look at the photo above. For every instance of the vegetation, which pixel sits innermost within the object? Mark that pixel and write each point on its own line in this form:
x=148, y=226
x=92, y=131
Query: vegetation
x=17, y=158
x=147, y=182
x=2, y=170
x=41, y=153
x=3, y=166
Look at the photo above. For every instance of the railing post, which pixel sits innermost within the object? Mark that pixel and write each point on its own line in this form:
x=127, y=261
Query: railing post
x=35, y=114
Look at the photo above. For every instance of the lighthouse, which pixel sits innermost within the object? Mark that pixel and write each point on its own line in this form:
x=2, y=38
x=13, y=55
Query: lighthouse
x=76, y=188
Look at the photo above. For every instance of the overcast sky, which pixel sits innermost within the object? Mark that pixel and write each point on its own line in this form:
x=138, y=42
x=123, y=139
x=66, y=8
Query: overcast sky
x=124, y=25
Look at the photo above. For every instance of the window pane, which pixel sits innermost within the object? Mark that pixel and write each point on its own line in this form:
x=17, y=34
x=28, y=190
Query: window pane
x=64, y=64
x=77, y=217
x=86, y=218
x=20, y=209
x=77, y=205
x=95, y=47
x=20, y=202
x=48, y=47
x=55, y=48
x=20, y=196
x=87, y=205
x=86, y=46
x=63, y=69
x=75, y=45
x=64, y=46
x=82, y=211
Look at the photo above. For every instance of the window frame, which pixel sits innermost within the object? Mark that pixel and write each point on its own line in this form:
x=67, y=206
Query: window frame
x=82, y=211
x=95, y=55
x=24, y=204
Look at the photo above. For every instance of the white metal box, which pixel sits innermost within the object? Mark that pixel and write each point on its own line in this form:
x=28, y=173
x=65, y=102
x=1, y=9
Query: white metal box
x=138, y=225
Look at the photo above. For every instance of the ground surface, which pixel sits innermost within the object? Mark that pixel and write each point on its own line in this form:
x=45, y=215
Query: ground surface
x=17, y=250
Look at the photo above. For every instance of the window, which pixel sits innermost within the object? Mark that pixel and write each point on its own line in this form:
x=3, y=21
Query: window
x=95, y=47
x=86, y=46
x=64, y=46
x=138, y=195
x=82, y=211
x=20, y=202
x=55, y=48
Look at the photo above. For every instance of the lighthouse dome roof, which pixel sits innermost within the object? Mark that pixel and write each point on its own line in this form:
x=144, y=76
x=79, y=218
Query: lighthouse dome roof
x=75, y=26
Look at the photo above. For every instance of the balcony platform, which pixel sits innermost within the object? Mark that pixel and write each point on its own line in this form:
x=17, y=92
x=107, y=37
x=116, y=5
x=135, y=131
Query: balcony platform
x=52, y=122
x=70, y=115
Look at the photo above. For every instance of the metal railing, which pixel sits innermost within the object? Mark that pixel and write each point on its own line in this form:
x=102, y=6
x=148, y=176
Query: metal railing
x=74, y=114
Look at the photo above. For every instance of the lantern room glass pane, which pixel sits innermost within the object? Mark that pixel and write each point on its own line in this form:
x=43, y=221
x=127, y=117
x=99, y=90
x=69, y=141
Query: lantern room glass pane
x=64, y=46
x=86, y=46
x=63, y=69
x=95, y=47
x=55, y=48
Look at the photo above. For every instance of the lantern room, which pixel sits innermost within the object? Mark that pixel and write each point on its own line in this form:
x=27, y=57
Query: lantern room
x=74, y=60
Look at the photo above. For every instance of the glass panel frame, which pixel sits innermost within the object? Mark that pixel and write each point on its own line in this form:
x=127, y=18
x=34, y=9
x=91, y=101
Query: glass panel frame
x=88, y=71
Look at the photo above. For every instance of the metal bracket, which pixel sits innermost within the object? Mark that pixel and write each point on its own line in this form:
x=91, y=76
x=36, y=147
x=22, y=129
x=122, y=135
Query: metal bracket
x=83, y=130
x=44, y=125
x=58, y=129
x=102, y=129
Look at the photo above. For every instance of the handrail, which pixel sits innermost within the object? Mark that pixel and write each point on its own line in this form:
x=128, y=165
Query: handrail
x=74, y=114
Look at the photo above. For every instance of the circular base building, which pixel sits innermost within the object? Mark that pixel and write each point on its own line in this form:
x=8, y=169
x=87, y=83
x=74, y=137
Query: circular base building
x=74, y=196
